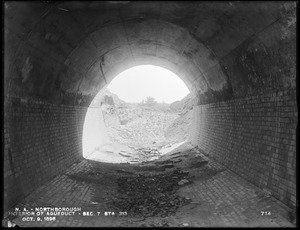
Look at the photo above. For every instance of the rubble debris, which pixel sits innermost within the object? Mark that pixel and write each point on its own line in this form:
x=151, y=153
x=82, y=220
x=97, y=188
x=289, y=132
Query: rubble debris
x=163, y=162
x=183, y=181
x=124, y=154
x=175, y=157
x=124, y=171
x=151, y=195
x=175, y=154
x=199, y=164
x=134, y=161
x=177, y=160
x=167, y=166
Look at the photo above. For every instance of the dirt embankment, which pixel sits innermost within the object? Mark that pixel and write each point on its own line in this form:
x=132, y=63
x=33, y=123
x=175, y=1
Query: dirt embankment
x=179, y=129
x=145, y=125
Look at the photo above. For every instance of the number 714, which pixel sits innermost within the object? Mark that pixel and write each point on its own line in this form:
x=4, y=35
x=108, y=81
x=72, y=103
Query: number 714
x=263, y=213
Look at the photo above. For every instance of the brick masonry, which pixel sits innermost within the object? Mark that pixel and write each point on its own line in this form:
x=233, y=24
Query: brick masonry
x=219, y=198
x=41, y=140
x=254, y=137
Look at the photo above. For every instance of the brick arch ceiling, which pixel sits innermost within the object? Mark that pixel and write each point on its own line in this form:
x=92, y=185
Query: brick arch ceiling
x=65, y=52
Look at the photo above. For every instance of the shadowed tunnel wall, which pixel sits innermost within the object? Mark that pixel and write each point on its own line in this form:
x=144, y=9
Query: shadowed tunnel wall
x=254, y=137
x=237, y=58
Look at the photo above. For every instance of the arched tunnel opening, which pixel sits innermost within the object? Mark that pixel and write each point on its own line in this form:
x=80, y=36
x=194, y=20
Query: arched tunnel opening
x=144, y=112
x=238, y=166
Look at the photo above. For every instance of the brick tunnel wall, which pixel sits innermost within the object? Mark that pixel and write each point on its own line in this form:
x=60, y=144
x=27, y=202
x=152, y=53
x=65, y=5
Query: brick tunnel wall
x=255, y=137
x=41, y=141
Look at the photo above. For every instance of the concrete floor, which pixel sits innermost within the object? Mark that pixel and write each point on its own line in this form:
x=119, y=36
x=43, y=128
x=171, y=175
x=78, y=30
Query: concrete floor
x=219, y=199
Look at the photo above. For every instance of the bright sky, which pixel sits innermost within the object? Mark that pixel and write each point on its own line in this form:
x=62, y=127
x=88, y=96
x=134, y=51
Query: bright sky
x=137, y=83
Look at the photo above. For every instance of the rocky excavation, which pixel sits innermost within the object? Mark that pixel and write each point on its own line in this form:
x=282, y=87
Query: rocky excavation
x=140, y=132
x=145, y=124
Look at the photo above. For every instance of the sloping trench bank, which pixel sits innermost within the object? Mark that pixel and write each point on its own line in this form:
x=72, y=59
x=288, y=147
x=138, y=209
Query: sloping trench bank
x=147, y=189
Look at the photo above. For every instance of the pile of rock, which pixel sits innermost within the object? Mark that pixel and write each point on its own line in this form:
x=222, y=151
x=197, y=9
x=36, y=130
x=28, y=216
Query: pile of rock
x=153, y=195
x=140, y=155
x=148, y=154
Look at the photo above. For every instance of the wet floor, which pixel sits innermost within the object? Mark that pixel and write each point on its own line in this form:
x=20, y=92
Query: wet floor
x=182, y=188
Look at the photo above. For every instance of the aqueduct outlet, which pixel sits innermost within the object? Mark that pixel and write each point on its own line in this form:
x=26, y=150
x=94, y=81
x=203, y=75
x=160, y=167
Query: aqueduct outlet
x=238, y=59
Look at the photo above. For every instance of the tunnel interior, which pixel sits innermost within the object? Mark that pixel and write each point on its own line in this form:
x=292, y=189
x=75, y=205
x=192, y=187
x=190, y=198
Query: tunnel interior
x=237, y=58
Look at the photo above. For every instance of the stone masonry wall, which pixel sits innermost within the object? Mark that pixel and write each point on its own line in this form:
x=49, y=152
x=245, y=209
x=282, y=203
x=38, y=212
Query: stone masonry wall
x=40, y=141
x=254, y=137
